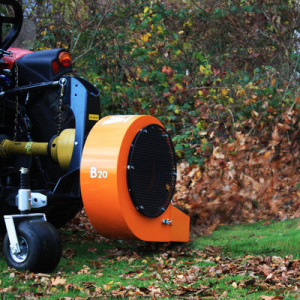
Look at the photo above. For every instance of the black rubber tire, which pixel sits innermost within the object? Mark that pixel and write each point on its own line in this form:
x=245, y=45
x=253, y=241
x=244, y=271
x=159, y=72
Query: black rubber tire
x=41, y=247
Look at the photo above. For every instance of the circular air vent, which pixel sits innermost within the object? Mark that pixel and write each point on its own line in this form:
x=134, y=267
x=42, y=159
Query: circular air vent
x=151, y=171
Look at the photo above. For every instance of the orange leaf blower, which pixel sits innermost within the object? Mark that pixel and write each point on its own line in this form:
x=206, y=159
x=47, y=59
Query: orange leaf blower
x=127, y=178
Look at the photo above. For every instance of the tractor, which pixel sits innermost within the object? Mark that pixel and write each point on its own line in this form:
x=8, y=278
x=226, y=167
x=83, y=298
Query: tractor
x=58, y=155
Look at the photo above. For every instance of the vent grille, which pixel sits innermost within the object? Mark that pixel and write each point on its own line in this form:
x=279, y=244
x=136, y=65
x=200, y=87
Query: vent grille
x=151, y=171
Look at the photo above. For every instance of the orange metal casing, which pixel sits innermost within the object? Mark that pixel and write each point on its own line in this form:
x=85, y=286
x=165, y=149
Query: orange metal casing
x=103, y=180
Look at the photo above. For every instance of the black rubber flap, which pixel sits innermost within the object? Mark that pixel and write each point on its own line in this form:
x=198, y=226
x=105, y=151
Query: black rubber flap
x=151, y=171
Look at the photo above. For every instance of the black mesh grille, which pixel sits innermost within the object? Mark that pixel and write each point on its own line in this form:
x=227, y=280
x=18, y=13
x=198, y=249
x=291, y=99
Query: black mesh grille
x=151, y=171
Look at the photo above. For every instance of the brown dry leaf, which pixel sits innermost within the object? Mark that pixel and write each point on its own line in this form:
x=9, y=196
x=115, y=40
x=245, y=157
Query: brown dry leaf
x=106, y=287
x=58, y=281
x=276, y=138
x=264, y=269
x=283, y=127
x=9, y=289
x=84, y=270
x=273, y=81
x=69, y=253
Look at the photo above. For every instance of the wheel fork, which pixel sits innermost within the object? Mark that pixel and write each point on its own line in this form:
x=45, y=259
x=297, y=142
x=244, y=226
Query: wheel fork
x=10, y=223
x=25, y=200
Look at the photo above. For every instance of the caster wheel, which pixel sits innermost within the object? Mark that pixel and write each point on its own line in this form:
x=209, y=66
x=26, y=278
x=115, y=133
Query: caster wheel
x=39, y=244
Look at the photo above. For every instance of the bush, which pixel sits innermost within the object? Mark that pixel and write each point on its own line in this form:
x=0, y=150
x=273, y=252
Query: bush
x=205, y=70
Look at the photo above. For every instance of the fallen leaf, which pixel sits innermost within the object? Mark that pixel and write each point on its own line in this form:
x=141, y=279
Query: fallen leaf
x=69, y=253
x=9, y=289
x=58, y=281
x=106, y=287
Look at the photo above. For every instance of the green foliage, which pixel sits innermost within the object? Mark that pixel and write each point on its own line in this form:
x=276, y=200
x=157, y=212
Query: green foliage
x=205, y=70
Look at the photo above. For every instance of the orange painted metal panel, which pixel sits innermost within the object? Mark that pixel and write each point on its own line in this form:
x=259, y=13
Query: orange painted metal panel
x=180, y=226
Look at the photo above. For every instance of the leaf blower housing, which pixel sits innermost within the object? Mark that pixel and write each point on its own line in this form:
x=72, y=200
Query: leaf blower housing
x=127, y=179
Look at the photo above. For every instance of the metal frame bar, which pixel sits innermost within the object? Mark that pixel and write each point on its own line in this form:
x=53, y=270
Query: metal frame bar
x=27, y=88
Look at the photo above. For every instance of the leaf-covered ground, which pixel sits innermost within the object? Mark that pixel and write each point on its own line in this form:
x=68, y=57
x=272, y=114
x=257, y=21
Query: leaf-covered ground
x=254, y=261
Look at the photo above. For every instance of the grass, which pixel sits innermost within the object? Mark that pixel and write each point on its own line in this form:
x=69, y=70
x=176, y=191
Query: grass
x=267, y=238
x=95, y=267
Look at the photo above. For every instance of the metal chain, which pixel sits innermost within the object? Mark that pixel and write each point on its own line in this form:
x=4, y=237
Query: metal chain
x=62, y=82
x=17, y=102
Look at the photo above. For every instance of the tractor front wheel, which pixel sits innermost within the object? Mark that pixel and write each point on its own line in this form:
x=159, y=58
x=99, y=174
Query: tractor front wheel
x=39, y=244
